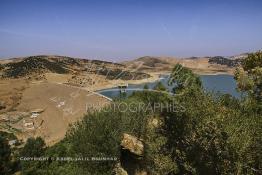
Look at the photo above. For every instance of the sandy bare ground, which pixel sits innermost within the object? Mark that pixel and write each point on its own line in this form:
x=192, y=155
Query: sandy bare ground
x=98, y=82
x=62, y=105
x=11, y=92
x=202, y=66
x=105, y=84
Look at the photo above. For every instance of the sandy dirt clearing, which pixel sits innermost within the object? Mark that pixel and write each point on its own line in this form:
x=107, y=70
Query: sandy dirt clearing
x=62, y=105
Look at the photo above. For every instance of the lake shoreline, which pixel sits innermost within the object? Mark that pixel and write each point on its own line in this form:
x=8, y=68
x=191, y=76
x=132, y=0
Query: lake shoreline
x=223, y=83
x=154, y=79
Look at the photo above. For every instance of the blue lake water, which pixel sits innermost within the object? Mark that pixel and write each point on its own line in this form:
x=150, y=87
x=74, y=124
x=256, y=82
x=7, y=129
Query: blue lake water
x=225, y=84
x=215, y=83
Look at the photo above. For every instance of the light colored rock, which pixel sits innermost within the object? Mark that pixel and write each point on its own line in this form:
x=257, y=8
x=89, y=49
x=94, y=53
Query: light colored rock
x=141, y=173
x=133, y=144
x=119, y=170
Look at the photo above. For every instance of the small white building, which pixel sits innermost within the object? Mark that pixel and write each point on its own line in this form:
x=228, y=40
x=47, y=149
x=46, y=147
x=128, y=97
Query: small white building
x=122, y=87
x=36, y=112
x=34, y=115
x=28, y=124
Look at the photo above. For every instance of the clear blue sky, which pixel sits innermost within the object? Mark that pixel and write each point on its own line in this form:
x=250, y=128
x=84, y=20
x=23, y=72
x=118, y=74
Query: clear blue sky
x=124, y=29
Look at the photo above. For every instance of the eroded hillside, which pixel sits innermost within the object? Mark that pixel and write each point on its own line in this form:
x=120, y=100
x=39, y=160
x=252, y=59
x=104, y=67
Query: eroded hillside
x=200, y=65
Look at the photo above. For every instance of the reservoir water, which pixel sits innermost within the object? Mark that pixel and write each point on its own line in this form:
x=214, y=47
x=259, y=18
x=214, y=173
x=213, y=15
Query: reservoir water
x=216, y=83
x=225, y=84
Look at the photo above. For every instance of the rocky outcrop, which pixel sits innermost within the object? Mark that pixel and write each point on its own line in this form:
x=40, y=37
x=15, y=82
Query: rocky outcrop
x=132, y=152
x=132, y=144
x=119, y=170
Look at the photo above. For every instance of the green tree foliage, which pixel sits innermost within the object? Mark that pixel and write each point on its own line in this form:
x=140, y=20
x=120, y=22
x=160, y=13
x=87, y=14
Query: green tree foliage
x=160, y=87
x=248, y=126
x=252, y=61
x=100, y=133
x=184, y=78
x=8, y=154
x=34, y=147
x=61, y=150
x=250, y=77
x=146, y=86
x=195, y=138
x=5, y=156
x=158, y=159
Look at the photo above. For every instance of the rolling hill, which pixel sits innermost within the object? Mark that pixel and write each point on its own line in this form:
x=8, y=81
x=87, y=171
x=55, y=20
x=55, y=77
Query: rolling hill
x=201, y=65
x=37, y=66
